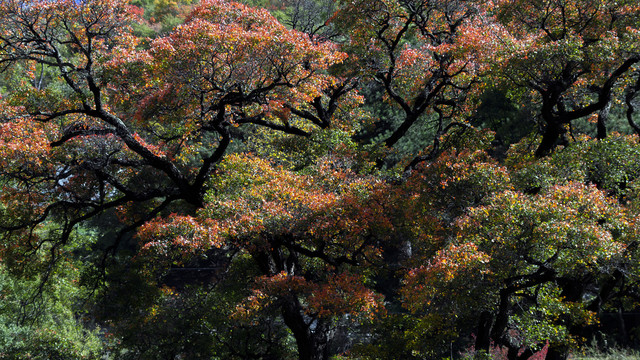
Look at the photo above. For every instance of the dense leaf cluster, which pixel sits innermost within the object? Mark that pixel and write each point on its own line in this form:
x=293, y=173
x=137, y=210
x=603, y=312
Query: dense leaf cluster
x=316, y=179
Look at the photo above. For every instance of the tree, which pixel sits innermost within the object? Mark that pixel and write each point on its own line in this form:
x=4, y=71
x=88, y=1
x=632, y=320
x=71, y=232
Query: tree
x=577, y=57
x=416, y=51
x=308, y=16
x=313, y=239
x=136, y=128
x=48, y=326
x=129, y=125
x=215, y=163
x=525, y=267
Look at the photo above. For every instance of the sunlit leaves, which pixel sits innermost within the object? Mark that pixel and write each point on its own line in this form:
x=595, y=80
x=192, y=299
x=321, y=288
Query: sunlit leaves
x=452, y=272
x=418, y=52
x=342, y=294
x=227, y=49
x=576, y=57
x=324, y=223
x=567, y=228
x=608, y=164
x=531, y=242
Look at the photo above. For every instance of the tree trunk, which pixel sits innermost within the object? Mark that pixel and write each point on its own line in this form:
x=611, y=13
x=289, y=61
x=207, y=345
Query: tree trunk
x=552, y=133
x=483, y=336
x=312, y=339
x=557, y=353
x=409, y=120
x=603, y=116
x=624, y=335
x=312, y=335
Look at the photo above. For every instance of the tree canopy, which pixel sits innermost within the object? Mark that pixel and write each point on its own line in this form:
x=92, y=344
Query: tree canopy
x=318, y=179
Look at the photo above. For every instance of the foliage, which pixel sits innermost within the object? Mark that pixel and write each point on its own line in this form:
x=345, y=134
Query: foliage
x=215, y=181
x=514, y=250
x=576, y=57
x=45, y=325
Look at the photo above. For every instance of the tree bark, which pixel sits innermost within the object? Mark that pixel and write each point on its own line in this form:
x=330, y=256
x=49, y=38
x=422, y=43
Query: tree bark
x=312, y=339
x=556, y=353
x=483, y=337
x=603, y=117
x=552, y=134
